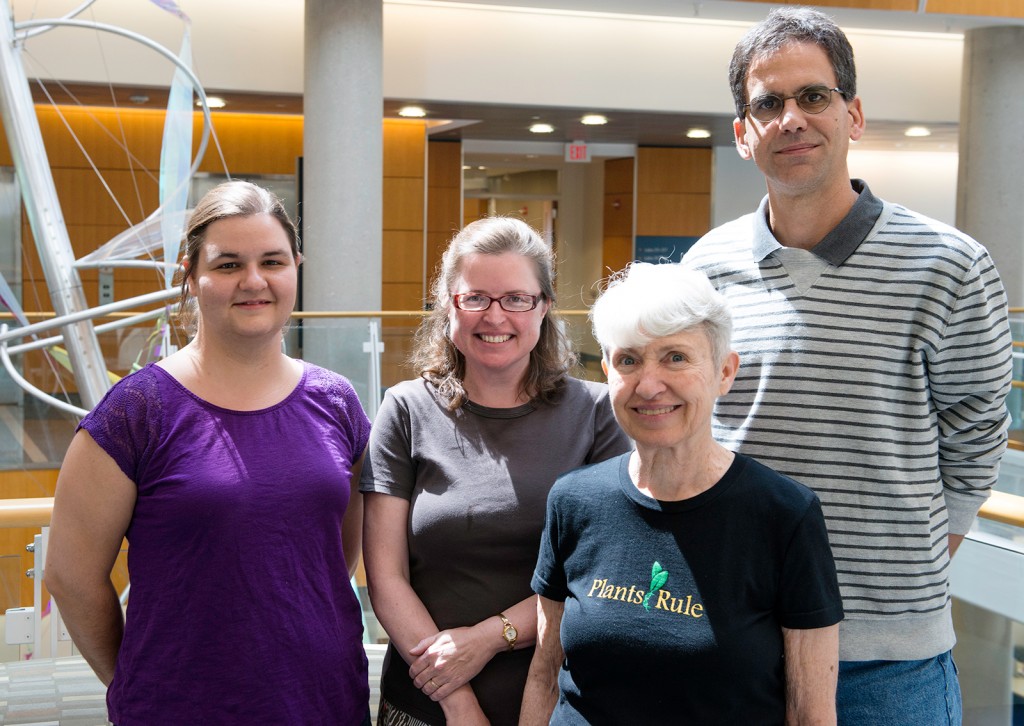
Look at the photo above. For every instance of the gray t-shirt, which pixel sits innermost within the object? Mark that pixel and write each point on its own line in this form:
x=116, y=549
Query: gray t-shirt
x=477, y=480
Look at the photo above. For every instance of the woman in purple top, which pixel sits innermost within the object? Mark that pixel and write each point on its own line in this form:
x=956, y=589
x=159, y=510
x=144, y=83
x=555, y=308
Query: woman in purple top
x=232, y=470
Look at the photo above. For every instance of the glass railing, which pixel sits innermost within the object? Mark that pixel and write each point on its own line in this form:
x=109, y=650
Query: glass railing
x=370, y=349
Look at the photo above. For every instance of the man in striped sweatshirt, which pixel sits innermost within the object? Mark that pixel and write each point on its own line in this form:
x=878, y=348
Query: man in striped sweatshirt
x=875, y=363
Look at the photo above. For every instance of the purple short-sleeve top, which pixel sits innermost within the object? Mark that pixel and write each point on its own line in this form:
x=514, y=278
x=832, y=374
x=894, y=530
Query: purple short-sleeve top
x=241, y=609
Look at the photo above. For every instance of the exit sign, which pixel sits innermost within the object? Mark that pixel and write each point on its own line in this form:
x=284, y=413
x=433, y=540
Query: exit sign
x=577, y=151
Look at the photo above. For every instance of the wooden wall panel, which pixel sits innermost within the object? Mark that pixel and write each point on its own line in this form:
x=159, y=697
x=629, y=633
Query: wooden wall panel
x=398, y=344
x=444, y=206
x=618, y=215
x=437, y=243
x=403, y=256
x=616, y=254
x=990, y=8
x=618, y=176
x=902, y=5
x=473, y=209
x=617, y=243
x=444, y=164
x=114, y=139
x=404, y=148
x=671, y=170
x=671, y=215
x=252, y=143
x=404, y=240
x=19, y=484
x=402, y=296
x=85, y=201
x=674, y=192
x=403, y=203
x=444, y=210
x=33, y=483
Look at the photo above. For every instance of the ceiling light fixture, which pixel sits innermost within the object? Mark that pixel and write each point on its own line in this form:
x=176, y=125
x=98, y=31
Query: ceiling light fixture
x=594, y=119
x=213, y=102
x=412, y=112
x=541, y=128
x=698, y=133
x=917, y=131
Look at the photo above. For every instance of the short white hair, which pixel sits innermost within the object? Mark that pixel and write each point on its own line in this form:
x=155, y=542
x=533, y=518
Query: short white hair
x=644, y=302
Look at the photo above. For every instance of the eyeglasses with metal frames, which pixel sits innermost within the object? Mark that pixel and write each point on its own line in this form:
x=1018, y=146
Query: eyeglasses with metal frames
x=477, y=302
x=813, y=99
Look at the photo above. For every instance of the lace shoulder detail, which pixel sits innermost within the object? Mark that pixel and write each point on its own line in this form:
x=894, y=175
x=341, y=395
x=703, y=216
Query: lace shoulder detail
x=127, y=421
x=344, y=400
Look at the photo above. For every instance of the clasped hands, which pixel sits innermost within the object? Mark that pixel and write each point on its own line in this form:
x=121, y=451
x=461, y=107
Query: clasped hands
x=448, y=660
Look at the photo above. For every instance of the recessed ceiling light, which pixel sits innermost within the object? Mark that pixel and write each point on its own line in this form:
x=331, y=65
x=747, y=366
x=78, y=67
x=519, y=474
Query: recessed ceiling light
x=542, y=128
x=594, y=119
x=138, y=98
x=698, y=133
x=412, y=112
x=213, y=102
x=917, y=131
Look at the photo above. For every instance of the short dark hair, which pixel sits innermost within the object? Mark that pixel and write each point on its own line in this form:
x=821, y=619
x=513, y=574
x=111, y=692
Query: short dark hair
x=792, y=25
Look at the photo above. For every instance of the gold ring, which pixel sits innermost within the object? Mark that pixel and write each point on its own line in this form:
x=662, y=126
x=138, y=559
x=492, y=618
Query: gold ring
x=434, y=683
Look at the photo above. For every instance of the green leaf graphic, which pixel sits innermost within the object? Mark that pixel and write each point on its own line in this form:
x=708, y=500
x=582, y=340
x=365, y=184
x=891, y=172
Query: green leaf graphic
x=659, y=577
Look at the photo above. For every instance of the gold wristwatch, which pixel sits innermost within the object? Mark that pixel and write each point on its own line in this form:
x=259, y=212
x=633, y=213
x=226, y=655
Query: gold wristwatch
x=508, y=631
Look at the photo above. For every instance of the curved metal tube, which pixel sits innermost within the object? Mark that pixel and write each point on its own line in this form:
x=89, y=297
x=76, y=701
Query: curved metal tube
x=40, y=31
x=29, y=388
x=96, y=312
x=104, y=328
x=153, y=45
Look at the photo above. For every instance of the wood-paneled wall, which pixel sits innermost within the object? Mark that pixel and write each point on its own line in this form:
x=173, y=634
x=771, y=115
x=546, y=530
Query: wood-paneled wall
x=988, y=8
x=617, y=248
x=673, y=192
x=404, y=238
x=15, y=561
x=444, y=199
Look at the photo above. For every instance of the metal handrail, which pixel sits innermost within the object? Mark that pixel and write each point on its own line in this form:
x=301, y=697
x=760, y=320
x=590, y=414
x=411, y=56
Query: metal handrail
x=1000, y=507
x=296, y=314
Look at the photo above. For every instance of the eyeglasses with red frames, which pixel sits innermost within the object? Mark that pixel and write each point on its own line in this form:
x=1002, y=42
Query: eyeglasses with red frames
x=477, y=302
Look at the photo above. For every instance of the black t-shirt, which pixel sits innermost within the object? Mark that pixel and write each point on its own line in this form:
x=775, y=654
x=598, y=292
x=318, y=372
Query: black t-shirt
x=673, y=610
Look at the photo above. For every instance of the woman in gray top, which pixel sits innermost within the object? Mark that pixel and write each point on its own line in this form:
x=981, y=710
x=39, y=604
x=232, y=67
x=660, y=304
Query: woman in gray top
x=457, y=474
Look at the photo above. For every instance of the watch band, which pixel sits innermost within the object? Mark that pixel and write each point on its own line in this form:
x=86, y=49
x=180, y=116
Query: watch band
x=508, y=631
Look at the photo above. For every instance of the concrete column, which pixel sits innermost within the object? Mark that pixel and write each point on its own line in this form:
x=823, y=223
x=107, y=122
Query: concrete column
x=990, y=196
x=342, y=177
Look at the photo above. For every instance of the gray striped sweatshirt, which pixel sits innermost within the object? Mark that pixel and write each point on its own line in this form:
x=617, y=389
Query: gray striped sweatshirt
x=874, y=370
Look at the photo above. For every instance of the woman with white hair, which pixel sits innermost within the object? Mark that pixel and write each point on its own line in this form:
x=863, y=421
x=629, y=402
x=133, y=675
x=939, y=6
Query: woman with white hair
x=680, y=582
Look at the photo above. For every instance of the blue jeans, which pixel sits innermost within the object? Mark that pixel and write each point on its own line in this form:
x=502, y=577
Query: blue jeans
x=899, y=693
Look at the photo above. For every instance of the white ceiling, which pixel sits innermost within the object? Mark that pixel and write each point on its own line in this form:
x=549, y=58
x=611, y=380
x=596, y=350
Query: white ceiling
x=256, y=46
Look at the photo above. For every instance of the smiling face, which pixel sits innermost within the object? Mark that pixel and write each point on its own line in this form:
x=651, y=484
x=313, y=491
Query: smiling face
x=245, y=278
x=496, y=344
x=663, y=393
x=799, y=152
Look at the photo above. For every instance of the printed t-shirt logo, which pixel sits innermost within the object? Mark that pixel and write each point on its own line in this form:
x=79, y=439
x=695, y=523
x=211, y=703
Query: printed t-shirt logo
x=656, y=592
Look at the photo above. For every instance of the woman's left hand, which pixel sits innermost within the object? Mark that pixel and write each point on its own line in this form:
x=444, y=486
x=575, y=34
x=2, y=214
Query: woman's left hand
x=450, y=659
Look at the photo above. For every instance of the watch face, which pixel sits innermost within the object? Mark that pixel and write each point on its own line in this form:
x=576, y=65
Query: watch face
x=511, y=633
